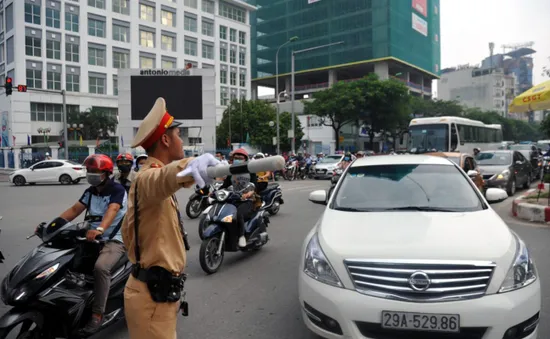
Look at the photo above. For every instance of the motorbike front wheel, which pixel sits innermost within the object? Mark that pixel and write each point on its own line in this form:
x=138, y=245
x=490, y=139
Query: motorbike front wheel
x=202, y=226
x=275, y=208
x=193, y=208
x=208, y=255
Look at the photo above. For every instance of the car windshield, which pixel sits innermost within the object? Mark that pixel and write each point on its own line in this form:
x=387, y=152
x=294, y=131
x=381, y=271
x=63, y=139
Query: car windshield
x=405, y=188
x=494, y=158
x=330, y=159
x=429, y=138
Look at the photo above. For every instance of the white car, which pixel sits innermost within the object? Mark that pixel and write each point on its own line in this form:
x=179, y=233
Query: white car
x=47, y=171
x=323, y=168
x=409, y=248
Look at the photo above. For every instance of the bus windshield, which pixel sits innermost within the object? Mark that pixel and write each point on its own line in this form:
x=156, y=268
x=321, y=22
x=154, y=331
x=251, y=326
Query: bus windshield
x=429, y=138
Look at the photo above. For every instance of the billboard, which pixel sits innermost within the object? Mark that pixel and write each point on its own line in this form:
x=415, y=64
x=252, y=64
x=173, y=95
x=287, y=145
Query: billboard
x=183, y=95
x=420, y=25
x=421, y=7
x=5, y=132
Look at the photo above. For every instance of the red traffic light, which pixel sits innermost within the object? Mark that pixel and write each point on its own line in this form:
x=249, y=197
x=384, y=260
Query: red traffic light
x=8, y=80
x=21, y=88
x=188, y=65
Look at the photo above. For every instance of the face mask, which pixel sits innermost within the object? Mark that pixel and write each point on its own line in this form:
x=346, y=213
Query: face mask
x=124, y=168
x=94, y=179
x=346, y=159
x=237, y=161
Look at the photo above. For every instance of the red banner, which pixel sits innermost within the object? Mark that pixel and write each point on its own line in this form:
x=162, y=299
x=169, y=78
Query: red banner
x=420, y=6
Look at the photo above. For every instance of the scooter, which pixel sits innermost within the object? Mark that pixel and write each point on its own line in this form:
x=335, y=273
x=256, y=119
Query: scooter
x=51, y=288
x=221, y=234
x=198, y=201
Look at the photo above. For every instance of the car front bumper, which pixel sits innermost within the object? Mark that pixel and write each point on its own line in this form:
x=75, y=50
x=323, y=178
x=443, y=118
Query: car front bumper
x=338, y=313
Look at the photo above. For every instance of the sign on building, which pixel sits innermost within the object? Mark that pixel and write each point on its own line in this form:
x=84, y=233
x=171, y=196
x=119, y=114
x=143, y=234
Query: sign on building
x=421, y=7
x=420, y=25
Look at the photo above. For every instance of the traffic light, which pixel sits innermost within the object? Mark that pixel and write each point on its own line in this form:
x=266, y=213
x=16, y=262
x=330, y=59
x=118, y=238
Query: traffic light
x=21, y=88
x=188, y=65
x=9, y=85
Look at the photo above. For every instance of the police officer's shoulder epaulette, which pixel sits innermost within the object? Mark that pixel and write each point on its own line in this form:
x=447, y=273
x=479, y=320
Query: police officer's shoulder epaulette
x=155, y=165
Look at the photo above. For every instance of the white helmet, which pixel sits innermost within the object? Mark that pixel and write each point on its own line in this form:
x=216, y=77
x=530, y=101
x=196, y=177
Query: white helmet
x=47, y=154
x=259, y=156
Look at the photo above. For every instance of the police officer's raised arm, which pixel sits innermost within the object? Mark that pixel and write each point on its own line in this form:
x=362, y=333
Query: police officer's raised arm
x=157, y=182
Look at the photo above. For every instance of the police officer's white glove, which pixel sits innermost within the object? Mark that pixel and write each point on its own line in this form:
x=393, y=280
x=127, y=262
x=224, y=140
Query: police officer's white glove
x=197, y=169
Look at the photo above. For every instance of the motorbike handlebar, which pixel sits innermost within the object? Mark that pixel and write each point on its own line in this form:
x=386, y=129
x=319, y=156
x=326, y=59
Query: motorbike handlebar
x=95, y=240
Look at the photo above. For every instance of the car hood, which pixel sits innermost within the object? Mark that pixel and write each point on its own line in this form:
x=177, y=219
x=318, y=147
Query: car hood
x=325, y=165
x=486, y=170
x=21, y=171
x=478, y=235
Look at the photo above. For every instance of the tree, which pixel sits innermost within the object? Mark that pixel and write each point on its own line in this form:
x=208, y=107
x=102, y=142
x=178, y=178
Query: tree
x=252, y=118
x=337, y=106
x=93, y=120
x=545, y=126
x=546, y=70
x=383, y=106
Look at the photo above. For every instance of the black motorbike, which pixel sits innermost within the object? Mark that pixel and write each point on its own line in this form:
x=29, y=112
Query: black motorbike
x=222, y=235
x=51, y=288
x=198, y=201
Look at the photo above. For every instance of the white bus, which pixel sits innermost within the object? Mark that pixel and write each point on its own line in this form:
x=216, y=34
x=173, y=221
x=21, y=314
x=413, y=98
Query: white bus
x=452, y=134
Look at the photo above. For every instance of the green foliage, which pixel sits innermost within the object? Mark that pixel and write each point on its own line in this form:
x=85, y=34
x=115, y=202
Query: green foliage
x=512, y=130
x=435, y=108
x=545, y=126
x=252, y=117
x=94, y=120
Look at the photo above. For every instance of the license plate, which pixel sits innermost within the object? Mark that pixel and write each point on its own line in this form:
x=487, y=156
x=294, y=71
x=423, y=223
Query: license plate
x=421, y=321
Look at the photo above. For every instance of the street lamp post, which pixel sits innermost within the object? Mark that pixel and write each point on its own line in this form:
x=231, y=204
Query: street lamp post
x=44, y=132
x=292, y=71
x=294, y=38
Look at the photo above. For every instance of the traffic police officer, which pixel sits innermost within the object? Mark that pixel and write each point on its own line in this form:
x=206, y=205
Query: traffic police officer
x=152, y=230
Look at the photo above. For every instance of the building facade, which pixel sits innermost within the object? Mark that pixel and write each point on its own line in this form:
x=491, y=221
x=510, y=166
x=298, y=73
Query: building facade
x=79, y=46
x=392, y=38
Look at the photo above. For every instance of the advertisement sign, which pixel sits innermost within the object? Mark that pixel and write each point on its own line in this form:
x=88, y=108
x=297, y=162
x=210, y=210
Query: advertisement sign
x=5, y=133
x=309, y=2
x=420, y=25
x=420, y=6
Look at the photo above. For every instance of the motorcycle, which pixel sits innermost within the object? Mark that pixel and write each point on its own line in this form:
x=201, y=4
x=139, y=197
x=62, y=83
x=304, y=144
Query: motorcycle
x=198, y=201
x=221, y=233
x=290, y=171
x=51, y=288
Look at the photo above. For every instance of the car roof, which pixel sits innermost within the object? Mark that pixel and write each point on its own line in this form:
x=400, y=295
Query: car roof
x=402, y=160
x=448, y=154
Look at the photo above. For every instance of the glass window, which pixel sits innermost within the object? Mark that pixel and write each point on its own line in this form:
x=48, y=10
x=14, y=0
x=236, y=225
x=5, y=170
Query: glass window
x=190, y=47
x=146, y=13
x=121, y=6
x=53, y=49
x=494, y=158
x=115, y=85
x=120, y=60
x=32, y=14
x=145, y=62
x=223, y=76
x=33, y=46
x=242, y=80
x=233, y=35
x=242, y=38
x=242, y=58
x=34, y=78
x=72, y=52
x=168, y=64
x=72, y=82
x=207, y=51
x=168, y=43
x=233, y=96
x=233, y=78
x=147, y=39
x=223, y=98
x=121, y=33
x=427, y=188
x=232, y=56
x=96, y=28
x=97, y=3
x=208, y=6
x=53, y=80
x=71, y=22
x=53, y=18
x=223, y=54
x=167, y=18
x=223, y=32
x=190, y=3
x=207, y=28
x=96, y=56
x=96, y=85
x=190, y=23
x=429, y=138
x=232, y=12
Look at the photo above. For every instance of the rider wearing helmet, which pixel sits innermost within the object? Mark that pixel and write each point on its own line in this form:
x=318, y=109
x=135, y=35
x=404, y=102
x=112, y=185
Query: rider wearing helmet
x=140, y=160
x=125, y=176
x=346, y=161
x=240, y=182
x=476, y=151
x=105, y=205
x=262, y=177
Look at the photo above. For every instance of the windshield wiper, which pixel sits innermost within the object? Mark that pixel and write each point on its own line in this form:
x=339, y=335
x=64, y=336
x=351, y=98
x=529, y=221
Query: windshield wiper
x=420, y=208
x=349, y=209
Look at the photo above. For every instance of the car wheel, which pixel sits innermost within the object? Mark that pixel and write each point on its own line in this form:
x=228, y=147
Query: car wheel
x=19, y=180
x=65, y=179
x=511, y=187
x=528, y=182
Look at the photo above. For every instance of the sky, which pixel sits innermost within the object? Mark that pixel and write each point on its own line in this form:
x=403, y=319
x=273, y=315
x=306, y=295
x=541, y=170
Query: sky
x=467, y=27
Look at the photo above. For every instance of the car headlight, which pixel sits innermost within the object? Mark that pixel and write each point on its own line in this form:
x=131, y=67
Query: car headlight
x=221, y=195
x=522, y=273
x=504, y=175
x=317, y=266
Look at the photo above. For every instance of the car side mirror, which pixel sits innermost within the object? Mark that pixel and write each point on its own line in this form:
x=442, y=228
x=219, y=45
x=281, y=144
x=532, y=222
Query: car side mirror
x=518, y=162
x=32, y=168
x=495, y=195
x=318, y=197
x=472, y=173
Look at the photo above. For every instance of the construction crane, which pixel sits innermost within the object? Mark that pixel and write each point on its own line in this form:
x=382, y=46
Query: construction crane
x=514, y=47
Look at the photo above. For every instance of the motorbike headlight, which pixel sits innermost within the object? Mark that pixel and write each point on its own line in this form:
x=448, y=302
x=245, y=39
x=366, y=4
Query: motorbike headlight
x=504, y=175
x=317, y=266
x=522, y=273
x=228, y=219
x=47, y=272
x=221, y=195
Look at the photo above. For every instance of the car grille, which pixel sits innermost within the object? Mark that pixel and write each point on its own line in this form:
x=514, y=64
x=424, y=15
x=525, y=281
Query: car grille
x=321, y=171
x=421, y=281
